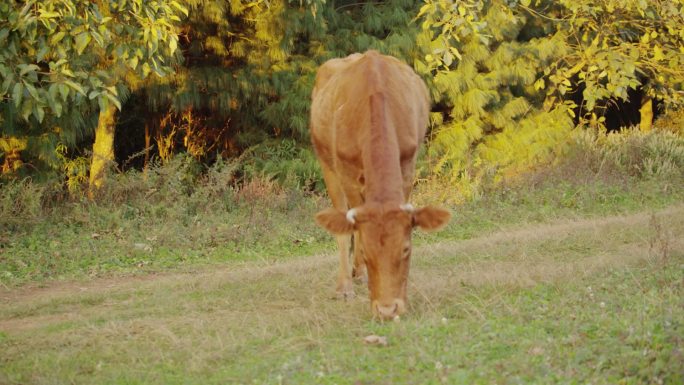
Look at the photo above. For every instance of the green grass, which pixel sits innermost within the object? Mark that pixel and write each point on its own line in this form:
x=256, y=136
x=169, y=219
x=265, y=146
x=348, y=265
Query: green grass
x=84, y=240
x=574, y=301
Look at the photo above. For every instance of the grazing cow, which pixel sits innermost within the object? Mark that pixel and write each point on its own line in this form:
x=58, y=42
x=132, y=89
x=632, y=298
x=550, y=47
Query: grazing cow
x=369, y=115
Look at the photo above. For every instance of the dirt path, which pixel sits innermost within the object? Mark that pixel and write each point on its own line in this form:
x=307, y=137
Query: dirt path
x=515, y=256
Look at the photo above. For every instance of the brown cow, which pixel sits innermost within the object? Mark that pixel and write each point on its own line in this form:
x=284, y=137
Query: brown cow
x=369, y=114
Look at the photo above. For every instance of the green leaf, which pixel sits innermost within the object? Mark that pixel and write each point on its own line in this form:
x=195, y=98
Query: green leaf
x=56, y=38
x=67, y=72
x=180, y=8
x=6, y=84
x=48, y=15
x=26, y=109
x=57, y=108
x=114, y=100
x=52, y=91
x=75, y=86
x=39, y=113
x=98, y=38
x=102, y=103
x=82, y=40
x=173, y=44
x=27, y=68
x=42, y=52
x=17, y=94
x=4, y=32
x=32, y=90
x=64, y=91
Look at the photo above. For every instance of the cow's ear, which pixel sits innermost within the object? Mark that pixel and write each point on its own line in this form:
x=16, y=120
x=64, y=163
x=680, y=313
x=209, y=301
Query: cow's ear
x=335, y=221
x=431, y=218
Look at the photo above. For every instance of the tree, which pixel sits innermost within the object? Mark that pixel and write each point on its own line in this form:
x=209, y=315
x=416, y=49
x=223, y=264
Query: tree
x=506, y=74
x=61, y=59
x=491, y=120
x=249, y=69
x=612, y=46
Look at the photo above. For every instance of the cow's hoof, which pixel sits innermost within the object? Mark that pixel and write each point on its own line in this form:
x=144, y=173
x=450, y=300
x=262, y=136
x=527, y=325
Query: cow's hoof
x=345, y=295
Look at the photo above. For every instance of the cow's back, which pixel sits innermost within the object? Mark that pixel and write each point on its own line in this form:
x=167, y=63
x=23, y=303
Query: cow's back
x=340, y=112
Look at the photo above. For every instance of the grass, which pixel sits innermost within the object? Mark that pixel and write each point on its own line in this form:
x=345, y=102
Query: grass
x=82, y=240
x=582, y=301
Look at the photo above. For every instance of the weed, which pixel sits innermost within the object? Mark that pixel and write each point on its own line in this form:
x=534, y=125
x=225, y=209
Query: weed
x=659, y=240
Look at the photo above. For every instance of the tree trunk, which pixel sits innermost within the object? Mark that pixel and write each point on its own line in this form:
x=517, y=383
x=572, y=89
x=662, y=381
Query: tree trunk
x=148, y=142
x=646, y=112
x=103, y=149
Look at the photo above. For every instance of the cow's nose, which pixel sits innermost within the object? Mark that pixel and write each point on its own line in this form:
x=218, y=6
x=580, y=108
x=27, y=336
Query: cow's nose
x=389, y=310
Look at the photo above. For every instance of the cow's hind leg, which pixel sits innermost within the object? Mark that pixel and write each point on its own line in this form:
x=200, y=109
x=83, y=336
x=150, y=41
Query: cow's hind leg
x=345, y=289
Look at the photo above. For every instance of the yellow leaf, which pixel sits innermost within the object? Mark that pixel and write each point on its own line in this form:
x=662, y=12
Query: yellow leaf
x=595, y=42
x=658, y=53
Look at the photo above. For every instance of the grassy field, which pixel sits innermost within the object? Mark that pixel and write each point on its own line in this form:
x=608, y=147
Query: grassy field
x=573, y=301
x=573, y=275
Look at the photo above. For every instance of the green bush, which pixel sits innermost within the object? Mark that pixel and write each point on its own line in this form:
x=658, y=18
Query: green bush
x=292, y=165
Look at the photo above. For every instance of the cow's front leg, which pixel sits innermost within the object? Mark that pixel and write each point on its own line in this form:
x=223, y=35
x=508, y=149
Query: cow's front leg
x=359, y=271
x=345, y=289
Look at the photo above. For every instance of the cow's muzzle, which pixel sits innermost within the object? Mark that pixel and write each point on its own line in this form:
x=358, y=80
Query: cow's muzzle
x=388, y=309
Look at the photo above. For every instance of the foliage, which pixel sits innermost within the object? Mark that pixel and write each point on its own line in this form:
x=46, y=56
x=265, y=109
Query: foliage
x=491, y=122
x=249, y=65
x=672, y=121
x=61, y=59
x=612, y=46
x=508, y=73
x=291, y=165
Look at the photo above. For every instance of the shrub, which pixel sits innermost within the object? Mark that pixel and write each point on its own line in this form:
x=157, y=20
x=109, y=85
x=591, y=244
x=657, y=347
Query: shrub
x=292, y=165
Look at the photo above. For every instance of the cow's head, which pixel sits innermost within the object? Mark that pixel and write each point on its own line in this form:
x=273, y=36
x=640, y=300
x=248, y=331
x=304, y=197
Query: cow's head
x=385, y=232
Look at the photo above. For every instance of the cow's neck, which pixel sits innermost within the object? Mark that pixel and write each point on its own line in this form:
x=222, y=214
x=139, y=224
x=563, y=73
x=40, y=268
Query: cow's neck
x=381, y=160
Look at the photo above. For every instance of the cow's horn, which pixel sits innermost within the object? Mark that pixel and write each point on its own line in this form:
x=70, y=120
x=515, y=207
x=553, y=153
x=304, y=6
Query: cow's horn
x=351, y=214
x=407, y=207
